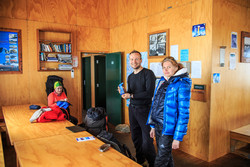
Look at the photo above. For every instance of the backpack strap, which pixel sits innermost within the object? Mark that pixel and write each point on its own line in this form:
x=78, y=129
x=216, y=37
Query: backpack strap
x=127, y=152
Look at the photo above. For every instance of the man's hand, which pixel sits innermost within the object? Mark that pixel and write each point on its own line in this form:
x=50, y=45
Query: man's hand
x=152, y=132
x=126, y=96
x=118, y=89
x=175, y=144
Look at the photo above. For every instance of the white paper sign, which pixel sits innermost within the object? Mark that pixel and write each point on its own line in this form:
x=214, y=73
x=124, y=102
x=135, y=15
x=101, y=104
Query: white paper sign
x=196, y=69
x=232, y=61
x=157, y=69
x=174, y=51
x=222, y=56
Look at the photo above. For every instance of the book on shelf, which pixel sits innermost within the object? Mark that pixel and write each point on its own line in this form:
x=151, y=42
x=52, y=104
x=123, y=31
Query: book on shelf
x=64, y=58
x=45, y=48
x=55, y=47
x=42, y=56
x=52, y=55
x=64, y=66
x=54, y=59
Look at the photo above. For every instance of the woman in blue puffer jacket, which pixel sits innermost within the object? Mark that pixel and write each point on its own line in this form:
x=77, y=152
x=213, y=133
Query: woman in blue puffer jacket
x=169, y=113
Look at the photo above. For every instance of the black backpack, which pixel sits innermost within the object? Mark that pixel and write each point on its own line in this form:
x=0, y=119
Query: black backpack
x=95, y=120
x=108, y=138
x=51, y=79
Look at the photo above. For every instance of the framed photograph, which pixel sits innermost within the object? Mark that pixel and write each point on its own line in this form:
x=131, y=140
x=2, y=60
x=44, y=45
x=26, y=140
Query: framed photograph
x=158, y=44
x=10, y=51
x=245, y=47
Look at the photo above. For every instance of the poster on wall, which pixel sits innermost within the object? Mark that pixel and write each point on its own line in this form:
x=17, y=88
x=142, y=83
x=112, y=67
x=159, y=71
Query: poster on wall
x=234, y=40
x=216, y=77
x=158, y=44
x=10, y=53
x=245, y=47
x=199, y=30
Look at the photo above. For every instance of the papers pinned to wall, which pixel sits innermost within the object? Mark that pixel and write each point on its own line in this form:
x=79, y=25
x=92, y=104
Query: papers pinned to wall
x=174, y=51
x=196, y=69
x=157, y=69
x=232, y=65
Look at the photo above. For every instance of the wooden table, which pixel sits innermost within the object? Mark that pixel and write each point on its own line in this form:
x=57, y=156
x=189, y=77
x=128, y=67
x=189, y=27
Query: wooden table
x=19, y=127
x=64, y=150
x=1, y=152
x=241, y=134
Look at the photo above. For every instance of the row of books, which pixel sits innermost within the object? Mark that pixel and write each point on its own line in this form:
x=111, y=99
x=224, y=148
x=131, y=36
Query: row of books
x=65, y=66
x=62, y=58
x=55, y=47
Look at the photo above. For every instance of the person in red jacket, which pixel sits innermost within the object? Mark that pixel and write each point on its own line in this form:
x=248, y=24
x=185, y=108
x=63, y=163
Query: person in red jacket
x=57, y=95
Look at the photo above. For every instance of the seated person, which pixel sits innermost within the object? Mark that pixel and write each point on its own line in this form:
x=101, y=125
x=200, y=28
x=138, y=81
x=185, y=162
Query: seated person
x=59, y=95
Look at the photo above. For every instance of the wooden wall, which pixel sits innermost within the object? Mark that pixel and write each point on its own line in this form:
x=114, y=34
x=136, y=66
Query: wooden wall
x=89, y=22
x=229, y=98
x=122, y=25
x=130, y=22
x=226, y=105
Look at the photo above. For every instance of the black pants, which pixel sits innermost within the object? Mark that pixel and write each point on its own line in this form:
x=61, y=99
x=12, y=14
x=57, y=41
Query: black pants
x=144, y=146
x=164, y=146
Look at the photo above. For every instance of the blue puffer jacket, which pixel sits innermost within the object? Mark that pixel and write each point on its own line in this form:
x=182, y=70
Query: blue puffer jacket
x=176, y=106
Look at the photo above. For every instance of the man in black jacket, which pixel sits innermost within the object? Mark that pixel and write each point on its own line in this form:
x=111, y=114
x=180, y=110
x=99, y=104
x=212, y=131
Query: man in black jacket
x=141, y=85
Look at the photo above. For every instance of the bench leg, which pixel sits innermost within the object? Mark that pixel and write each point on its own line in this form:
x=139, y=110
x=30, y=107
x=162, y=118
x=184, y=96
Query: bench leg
x=233, y=145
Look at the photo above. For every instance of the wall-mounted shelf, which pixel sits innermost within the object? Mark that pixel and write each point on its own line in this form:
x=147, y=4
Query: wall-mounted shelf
x=54, y=50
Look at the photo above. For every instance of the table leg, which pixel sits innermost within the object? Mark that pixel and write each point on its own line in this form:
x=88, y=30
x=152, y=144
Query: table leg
x=17, y=162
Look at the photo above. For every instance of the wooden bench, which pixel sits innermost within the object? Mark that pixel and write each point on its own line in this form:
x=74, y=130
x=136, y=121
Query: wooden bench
x=1, y=152
x=241, y=134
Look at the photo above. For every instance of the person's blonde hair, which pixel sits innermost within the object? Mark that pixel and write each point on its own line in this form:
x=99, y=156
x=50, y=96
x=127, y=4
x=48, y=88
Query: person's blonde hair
x=172, y=61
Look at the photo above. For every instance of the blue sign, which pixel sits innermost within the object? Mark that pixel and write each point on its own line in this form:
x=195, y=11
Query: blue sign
x=184, y=54
x=199, y=30
x=9, y=51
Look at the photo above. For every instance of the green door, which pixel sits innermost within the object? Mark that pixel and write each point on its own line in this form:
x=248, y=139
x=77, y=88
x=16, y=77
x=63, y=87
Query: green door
x=86, y=79
x=113, y=79
x=100, y=81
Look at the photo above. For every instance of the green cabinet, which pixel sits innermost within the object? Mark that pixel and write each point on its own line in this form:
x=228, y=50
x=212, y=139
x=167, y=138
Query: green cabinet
x=113, y=79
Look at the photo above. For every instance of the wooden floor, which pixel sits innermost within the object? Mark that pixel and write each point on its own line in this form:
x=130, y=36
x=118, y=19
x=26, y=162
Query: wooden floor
x=181, y=159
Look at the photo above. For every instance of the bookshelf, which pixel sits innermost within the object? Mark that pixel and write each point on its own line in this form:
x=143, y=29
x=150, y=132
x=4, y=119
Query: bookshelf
x=54, y=50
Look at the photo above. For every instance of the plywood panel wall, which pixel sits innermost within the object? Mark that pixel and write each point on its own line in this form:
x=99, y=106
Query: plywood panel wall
x=92, y=39
x=93, y=13
x=229, y=98
x=13, y=9
x=14, y=88
x=29, y=87
x=57, y=11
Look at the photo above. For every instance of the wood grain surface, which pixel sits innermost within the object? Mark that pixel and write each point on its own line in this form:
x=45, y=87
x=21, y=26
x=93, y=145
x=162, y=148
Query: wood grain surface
x=1, y=152
x=241, y=134
x=17, y=119
x=64, y=150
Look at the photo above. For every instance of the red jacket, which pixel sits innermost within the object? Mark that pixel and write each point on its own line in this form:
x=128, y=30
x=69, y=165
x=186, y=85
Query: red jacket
x=55, y=114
